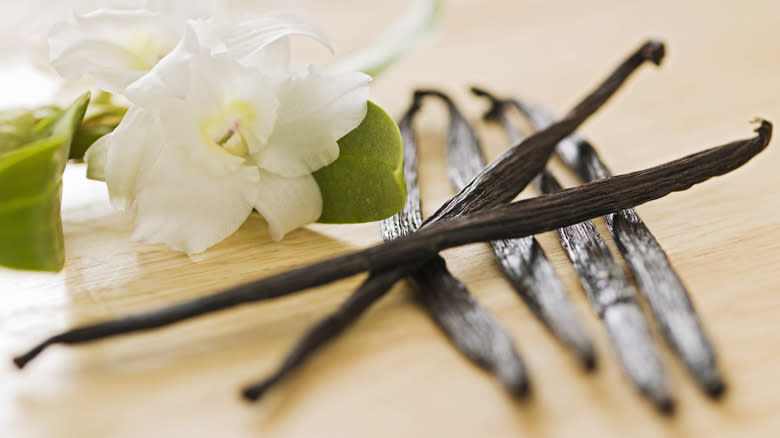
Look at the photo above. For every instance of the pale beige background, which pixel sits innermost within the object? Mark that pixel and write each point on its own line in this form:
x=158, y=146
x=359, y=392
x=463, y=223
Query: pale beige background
x=394, y=374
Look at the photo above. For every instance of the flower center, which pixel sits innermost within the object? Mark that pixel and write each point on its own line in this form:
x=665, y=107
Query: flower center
x=231, y=139
x=224, y=129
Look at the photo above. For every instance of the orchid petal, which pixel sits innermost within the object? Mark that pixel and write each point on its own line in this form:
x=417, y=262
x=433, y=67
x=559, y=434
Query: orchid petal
x=108, y=25
x=96, y=158
x=202, y=96
x=274, y=60
x=132, y=147
x=329, y=106
x=181, y=120
x=219, y=80
x=206, y=84
x=207, y=34
x=114, y=46
x=179, y=205
x=170, y=76
x=248, y=39
x=288, y=203
x=109, y=65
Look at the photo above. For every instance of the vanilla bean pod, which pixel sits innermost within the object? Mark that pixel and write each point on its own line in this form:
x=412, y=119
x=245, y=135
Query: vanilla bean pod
x=657, y=279
x=523, y=260
x=520, y=163
x=612, y=297
x=518, y=219
x=515, y=168
x=470, y=327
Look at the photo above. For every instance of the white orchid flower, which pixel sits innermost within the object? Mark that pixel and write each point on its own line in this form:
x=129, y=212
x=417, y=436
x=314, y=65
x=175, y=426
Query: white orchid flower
x=117, y=46
x=209, y=138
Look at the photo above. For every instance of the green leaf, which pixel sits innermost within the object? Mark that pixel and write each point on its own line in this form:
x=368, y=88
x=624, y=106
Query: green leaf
x=31, y=165
x=366, y=182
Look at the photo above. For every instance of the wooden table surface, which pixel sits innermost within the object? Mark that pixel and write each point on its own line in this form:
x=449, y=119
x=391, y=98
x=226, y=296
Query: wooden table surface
x=394, y=374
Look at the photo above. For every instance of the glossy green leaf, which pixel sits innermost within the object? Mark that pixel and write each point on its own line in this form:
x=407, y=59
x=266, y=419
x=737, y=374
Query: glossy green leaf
x=31, y=164
x=366, y=182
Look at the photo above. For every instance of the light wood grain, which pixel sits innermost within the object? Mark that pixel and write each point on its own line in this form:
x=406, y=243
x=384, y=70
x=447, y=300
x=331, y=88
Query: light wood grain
x=394, y=374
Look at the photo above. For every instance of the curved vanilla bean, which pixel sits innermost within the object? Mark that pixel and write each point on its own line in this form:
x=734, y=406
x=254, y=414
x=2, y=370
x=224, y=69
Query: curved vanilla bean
x=523, y=260
x=470, y=327
x=609, y=292
x=515, y=168
x=657, y=280
x=518, y=219
x=520, y=163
